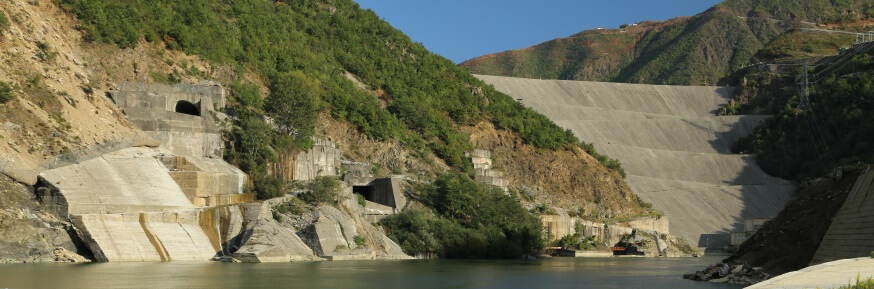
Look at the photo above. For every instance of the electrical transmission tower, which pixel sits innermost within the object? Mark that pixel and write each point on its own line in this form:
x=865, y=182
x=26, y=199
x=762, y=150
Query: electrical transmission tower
x=805, y=87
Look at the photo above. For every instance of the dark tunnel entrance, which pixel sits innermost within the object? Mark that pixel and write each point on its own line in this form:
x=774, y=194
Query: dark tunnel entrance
x=187, y=108
x=366, y=191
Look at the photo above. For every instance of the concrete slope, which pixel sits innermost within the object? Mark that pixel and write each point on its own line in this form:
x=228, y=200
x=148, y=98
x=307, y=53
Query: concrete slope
x=833, y=274
x=702, y=134
x=851, y=233
x=687, y=101
x=675, y=150
x=129, y=208
x=129, y=180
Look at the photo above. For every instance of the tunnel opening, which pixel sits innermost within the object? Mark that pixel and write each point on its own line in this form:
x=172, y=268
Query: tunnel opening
x=186, y=107
x=367, y=191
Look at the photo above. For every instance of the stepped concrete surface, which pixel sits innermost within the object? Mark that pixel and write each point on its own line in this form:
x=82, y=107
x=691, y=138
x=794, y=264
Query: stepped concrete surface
x=484, y=171
x=674, y=149
x=825, y=276
x=851, y=233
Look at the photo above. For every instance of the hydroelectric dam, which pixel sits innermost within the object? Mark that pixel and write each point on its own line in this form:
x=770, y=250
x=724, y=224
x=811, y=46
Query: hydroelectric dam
x=674, y=148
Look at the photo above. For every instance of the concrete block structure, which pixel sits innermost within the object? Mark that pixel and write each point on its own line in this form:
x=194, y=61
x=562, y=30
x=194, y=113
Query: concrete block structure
x=674, y=149
x=208, y=182
x=484, y=171
x=383, y=197
x=180, y=116
x=851, y=233
x=558, y=226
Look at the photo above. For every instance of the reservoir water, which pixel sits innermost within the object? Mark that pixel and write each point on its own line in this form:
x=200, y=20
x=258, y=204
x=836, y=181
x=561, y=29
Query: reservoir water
x=414, y=274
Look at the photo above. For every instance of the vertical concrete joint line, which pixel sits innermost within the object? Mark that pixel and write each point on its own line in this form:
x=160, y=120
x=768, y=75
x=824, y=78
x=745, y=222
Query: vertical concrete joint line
x=159, y=246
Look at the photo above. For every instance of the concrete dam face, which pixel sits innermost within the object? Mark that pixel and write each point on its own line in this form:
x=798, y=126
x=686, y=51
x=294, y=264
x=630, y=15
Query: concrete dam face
x=675, y=150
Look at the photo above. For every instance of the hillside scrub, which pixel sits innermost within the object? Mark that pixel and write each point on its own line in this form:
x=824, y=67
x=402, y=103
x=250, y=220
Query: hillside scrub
x=467, y=220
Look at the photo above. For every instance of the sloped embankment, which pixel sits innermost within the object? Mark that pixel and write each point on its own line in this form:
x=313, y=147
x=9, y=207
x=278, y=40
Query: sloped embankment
x=675, y=150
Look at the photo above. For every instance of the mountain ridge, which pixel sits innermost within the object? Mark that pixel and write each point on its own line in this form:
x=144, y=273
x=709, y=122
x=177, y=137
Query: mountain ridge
x=698, y=50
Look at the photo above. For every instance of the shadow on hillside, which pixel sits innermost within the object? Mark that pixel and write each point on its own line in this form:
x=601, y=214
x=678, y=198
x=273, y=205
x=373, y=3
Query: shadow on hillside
x=759, y=194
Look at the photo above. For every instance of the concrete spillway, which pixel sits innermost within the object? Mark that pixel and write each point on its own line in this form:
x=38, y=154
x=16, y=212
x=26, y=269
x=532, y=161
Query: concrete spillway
x=674, y=148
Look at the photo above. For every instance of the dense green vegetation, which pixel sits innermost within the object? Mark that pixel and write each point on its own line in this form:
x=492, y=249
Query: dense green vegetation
x=303, y=48
x=468, y=220
x=576, y=242
x=837, y=128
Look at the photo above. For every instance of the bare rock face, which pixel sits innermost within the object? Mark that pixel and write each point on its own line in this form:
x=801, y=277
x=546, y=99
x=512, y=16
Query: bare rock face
x=342, y=233
x=265, y=240
x=333, y=232
x=28, y=234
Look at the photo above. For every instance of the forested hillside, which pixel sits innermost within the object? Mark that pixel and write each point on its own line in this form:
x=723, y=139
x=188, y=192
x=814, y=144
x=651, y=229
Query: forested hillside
x=697, y=50
x=835, y=128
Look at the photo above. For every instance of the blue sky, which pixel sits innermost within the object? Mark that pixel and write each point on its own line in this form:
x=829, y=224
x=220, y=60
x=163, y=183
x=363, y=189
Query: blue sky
x=463, y=29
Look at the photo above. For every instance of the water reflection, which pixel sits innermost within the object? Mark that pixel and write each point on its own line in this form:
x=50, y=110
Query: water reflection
x=549, y=273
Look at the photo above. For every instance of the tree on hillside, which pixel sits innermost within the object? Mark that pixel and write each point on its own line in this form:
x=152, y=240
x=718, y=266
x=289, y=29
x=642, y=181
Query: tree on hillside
x=294, y=105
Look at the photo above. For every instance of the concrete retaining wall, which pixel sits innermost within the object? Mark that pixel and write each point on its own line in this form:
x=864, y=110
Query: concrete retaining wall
x=851, y=233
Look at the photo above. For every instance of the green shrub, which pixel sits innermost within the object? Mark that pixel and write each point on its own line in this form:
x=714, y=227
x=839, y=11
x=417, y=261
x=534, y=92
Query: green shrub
x=294, y=206
x=642, y=203
x=45, y=52
x=247, y=94
x=860, y=283
x=4, y=22
x=359, y=240
x=268, y=187
x=7, y=91
x=612, y=164
x=361, y=200
x=322, y=190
